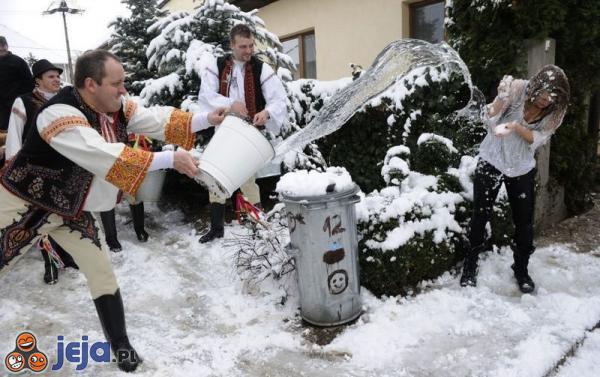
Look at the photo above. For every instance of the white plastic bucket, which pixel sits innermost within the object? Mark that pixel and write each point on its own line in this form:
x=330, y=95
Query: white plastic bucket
x=235, y=153
x=151, y=188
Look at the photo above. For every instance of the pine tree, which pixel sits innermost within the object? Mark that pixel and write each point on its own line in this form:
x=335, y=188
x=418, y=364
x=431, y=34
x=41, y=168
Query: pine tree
x=131, y=39
x=31, y=59
x=184, y=41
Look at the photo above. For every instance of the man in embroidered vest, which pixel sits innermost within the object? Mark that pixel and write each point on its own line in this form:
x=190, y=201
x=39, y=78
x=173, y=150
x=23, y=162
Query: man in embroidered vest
x=23, y=113
x=250, y=88
x=74, y=162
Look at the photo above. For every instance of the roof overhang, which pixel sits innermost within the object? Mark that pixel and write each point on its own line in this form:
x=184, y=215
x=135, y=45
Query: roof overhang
x=247, y=5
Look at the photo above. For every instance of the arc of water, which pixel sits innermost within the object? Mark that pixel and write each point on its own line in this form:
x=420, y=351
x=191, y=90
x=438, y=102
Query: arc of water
x=395, y=62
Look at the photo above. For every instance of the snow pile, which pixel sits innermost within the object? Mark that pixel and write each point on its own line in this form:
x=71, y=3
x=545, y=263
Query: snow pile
x=406, y=86
x=395, y=165
x=427, y=137
x=314, y=183
x=418, y=208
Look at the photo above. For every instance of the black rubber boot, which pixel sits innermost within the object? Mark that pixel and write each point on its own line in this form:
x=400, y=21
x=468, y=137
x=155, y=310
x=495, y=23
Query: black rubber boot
x=110, y=230
x=112, y=318
x=50, y=270
x=217, y=211
x=137, y=212
x=524, y=281
x=469, y=273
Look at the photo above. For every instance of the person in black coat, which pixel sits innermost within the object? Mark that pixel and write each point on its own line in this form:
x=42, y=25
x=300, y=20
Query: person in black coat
x=15, y=79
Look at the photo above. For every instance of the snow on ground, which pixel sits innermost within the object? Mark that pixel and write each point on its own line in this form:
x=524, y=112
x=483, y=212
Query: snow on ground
x=189, y=315
x=585, y=363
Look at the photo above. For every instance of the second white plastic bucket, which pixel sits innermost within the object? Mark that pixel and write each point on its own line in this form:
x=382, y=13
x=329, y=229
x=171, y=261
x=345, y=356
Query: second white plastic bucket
x=151, y=188
x=235, y=153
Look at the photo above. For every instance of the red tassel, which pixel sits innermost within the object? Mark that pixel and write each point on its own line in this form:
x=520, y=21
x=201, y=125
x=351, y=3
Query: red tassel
x=245, y=207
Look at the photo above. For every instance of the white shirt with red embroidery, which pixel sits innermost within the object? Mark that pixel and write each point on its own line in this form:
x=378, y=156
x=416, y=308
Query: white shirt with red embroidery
x=16, y=125
x=272, y=88
x=66, y=129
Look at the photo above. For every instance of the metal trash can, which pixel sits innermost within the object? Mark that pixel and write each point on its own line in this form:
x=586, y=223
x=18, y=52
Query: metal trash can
x=324, y=244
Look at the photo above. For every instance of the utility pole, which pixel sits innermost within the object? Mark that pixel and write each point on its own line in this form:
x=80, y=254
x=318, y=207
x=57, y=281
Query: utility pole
x=63, y=7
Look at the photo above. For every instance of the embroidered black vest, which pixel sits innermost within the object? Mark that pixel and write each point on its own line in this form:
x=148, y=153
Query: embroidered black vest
x=40, y=175
x=256, y=71
x=32, y=102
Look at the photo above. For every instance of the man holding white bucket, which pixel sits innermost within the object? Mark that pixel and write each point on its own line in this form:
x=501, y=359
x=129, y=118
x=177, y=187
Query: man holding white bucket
x=252, y=90
x=74, y=161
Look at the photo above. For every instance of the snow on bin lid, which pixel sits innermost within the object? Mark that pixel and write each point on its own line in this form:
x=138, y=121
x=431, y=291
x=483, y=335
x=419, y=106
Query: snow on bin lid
x=304, y=183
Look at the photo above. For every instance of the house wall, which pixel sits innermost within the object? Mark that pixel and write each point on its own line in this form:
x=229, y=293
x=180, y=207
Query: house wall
x=346, y=31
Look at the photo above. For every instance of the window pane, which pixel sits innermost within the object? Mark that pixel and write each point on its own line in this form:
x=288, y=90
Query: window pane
x=292, y=48
x=428, y=21
x=310, y=57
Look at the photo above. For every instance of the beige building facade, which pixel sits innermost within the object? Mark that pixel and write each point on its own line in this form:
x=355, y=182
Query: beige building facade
x=331, y=34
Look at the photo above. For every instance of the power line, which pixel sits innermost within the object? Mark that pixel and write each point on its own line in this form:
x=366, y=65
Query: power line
x=18, y=11
x=42, y=48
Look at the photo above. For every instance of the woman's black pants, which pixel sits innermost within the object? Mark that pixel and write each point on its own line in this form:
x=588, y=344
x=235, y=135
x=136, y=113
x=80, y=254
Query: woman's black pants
x=521, y=196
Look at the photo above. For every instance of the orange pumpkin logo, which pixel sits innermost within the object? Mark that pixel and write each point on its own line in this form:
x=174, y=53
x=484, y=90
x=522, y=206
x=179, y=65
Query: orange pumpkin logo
x=14, y=362
x=26, y=341
x=26, y=355
x=37, y=362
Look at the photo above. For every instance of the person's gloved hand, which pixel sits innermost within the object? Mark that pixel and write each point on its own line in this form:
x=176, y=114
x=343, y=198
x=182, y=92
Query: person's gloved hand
x=504, y=86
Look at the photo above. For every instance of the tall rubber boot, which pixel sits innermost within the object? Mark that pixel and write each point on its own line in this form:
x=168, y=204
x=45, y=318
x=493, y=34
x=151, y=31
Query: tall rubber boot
x=217, y=212
x=110, y=230
x=137, y=212
x=469, y=273
x=524, y=281
x=112, y=318
x=50, y=270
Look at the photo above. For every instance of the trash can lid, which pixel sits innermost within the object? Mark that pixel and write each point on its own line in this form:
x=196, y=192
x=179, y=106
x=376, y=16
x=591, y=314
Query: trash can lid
x=330, y=196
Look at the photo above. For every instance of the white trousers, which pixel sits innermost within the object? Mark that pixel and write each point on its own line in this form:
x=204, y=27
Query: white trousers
x=21, y=225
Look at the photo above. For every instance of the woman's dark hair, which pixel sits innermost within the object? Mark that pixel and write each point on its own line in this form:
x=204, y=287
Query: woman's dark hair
x=91, y=64
x=553, y=81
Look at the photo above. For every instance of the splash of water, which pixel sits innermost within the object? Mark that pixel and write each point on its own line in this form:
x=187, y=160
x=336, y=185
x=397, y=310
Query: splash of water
x=395, y=62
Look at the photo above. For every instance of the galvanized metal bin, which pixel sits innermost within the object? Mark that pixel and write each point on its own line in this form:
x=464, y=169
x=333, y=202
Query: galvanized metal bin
x=324, y=244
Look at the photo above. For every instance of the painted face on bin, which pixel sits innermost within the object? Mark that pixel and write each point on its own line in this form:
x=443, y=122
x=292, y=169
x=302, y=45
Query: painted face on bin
x=25, y=341
x=37, y=362
x=338, y=281
x=14, y=362
x=242, y=48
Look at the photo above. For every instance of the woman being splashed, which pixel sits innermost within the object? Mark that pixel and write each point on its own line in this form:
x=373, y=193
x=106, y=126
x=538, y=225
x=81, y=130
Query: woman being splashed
x=522, y=117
